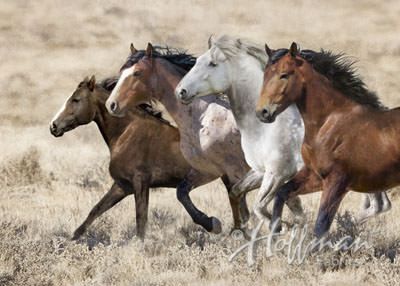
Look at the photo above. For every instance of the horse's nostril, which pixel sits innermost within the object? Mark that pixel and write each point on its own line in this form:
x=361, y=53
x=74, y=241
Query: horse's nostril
x=53, y=126
x=183, y=92
x=265, y=112
x=114, y=106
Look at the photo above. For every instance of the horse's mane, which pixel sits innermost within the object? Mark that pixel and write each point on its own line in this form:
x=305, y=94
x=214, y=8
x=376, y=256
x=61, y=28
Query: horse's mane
x=231, y=47
x=340, y=70
x=109, y=84
x=173, y=55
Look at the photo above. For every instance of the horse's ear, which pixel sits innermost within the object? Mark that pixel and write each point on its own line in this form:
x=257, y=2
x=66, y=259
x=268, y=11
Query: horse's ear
x=133, y=49
x=149, y=50
x=210, y=41
x=268, y=50
x=91, y=83
x=293, y=50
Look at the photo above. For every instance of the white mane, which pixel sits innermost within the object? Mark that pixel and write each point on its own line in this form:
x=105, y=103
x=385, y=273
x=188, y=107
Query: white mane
x=232, y=47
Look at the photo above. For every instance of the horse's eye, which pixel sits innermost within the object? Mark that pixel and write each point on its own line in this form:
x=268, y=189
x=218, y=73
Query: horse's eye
x=75, y=100
x=284, y=76
x=136, y=73
x=212, y=64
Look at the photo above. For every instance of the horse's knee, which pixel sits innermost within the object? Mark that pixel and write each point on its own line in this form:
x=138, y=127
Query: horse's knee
x=182, y=191
x=235, y=191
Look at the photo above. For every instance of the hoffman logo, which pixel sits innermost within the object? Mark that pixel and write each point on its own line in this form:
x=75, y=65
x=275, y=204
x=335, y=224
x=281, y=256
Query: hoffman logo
x=295, y=245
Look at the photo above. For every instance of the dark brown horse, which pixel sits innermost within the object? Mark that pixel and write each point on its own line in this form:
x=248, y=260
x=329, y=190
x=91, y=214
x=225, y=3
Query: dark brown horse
x=210, y=140
x=351, y=140
x=144, y=148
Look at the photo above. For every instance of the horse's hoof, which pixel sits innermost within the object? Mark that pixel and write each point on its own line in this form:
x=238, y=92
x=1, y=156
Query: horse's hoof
x=240, y=234
x=77, y=234
x=237, y=234
x=75, y=237
x=216, y=225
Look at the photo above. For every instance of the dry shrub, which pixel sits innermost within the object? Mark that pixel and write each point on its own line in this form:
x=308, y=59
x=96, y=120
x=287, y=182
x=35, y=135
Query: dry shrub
x=24, y=170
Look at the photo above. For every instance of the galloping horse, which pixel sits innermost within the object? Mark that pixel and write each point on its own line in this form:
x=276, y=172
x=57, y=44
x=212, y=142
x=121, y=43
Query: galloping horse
x=144, y=148
x=351, y=140
x=234, y=67
x=210, y=141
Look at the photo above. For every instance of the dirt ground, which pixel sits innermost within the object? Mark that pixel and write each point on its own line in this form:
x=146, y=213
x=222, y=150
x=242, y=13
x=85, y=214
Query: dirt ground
x=48, y=185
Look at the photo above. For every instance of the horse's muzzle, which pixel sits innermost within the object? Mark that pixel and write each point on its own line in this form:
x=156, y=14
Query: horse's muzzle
x=183, y=96
x=55, y=131
x=265, y=115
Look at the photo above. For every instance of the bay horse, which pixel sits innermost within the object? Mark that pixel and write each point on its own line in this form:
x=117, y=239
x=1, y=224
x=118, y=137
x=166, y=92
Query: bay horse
x=235, y=67
x=351, y=140
x=210, y=140
x=144, y=148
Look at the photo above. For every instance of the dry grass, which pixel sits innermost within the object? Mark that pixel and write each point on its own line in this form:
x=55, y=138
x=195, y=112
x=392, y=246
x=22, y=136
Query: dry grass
x=49, y=185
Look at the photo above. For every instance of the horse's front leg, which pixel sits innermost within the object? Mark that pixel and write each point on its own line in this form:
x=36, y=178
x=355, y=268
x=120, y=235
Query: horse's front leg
x=252, y=180
x=112, y=197
x=269, y=186
x=192, y=180
x=141, y=186
x=335, y=188
x=305, y=181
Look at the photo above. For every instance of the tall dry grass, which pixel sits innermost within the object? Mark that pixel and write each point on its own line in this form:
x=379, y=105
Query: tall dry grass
x=48, y=185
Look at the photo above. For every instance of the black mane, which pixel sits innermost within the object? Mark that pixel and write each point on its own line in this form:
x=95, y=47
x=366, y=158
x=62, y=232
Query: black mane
x=175, y=56
x=109, y=83
x=339, y=69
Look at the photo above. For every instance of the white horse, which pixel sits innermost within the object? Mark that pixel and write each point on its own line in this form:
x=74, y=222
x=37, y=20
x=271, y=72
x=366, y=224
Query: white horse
x=235, y=67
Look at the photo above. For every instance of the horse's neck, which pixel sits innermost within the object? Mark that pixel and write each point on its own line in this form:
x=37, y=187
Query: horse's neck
x=168, y=79
x=319, y=101
x=246, y=86
x=110, y=127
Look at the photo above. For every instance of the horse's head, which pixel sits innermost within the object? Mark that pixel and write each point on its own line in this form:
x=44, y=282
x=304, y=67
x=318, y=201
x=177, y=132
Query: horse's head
x=209, y=75
x=79, y=109
x=134, y=87
x=283, y=84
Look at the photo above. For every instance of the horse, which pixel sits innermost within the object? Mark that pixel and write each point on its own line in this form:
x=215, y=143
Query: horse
x=351, y=138
x=144, y=148
x=210, y=140
x=234, y=67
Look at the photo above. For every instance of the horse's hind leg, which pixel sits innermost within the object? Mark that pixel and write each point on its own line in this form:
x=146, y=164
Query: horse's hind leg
x=239, y=208
x=192, y=180
x=112, y=197
x=371, y=206
x=374, y=204
x=386, y=204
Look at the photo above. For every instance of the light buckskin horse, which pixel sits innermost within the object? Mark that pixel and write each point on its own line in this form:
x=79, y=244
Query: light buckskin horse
x=351, y=140
x=144, y=148
x=235, y=67
x=210, y=140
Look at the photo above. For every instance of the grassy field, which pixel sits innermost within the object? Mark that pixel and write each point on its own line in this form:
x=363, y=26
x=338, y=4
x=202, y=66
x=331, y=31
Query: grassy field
x=48, y=185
